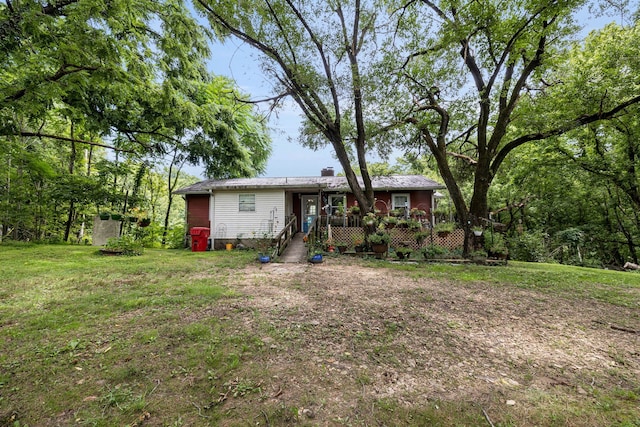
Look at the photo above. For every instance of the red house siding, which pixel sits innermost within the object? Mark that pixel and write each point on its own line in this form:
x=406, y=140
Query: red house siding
x=198, y=211
x=420, y=199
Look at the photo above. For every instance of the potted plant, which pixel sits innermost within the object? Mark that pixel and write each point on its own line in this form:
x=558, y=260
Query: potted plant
x=477, y=231
x=390, y=222
x=496, y=246
x=354, y=210
x=403, y=252
x=337, y=218
x=316, y=257
x=370, y=221
x=415, y=212
x=421, y=236
x=396, y=212
x=264, y=246
x=116, y=216
x=144, y=222
x=402, y=223
x=342, y=246
x=414, y=225
x=444, y=228
x=104, y=216
x=379, y=242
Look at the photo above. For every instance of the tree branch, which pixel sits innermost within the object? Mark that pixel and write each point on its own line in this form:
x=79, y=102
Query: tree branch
x=56, y=8
x=75, y=140
x=307, y=100
x=468, y=159
x=63, y=71
x=573, y=124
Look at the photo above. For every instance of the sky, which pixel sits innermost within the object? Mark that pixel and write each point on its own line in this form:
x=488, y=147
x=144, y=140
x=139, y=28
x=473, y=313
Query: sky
x=288, y=159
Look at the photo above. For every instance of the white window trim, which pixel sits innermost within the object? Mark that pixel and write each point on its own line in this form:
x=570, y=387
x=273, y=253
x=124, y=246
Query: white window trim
x=393, y=200
x=334, y=208
x=240, y=202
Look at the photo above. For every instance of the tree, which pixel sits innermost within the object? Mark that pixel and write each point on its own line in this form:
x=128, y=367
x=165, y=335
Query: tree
x=608, y=150
x=323, y=55
x=129, y=77
x=479, y=73
x=225, y=135
x=80, y=58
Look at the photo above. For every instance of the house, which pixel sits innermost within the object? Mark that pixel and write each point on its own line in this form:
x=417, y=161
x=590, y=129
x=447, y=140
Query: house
x=246, y=208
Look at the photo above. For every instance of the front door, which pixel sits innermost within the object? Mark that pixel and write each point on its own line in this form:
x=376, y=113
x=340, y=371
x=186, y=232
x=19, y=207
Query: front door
x=309, y=211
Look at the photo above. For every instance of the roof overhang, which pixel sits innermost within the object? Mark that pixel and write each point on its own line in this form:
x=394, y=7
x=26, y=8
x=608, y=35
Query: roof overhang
x=301, y=184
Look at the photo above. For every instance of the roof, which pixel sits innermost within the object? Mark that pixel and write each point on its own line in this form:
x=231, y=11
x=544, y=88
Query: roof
x=325, y=183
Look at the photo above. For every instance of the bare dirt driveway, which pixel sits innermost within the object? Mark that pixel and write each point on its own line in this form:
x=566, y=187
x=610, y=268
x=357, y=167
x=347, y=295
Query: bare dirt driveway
x=348, y=343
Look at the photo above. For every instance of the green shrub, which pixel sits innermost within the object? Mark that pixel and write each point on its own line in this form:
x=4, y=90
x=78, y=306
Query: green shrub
x=434, y=251
x=176, y=237
x=379, y=238
x=530, y=246
x=495, y=243
x=126, y=244
x=421, y=236
x=444, y=227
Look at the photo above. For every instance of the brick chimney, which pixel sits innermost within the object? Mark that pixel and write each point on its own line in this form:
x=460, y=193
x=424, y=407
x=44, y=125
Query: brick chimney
x=328, y=171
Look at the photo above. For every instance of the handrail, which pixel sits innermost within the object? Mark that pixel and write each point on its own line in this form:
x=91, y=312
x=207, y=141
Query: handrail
x=313, y=228
x=341, y=221
x=286, y=234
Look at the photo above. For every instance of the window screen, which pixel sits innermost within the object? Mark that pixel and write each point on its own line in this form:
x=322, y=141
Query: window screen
x=247, y=203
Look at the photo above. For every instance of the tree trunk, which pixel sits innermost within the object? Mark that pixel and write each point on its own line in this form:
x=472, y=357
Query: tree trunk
x=363, y=196
x=165, y=228
x=67, y=226
x=171, y=185
x=72, y=163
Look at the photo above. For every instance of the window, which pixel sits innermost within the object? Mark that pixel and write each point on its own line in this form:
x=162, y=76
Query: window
x=335, y=200
x=400, y=201
x=247, y=202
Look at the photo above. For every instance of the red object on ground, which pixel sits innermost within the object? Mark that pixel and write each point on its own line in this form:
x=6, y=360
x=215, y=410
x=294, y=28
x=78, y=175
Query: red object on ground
x=199, y=239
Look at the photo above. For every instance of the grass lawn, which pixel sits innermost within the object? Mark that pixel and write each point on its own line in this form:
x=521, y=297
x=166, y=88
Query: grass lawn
x=174, y=338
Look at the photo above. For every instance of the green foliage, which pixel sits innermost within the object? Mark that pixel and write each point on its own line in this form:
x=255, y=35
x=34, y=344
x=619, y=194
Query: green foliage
x=77, y=77
x=444, y=227
x=390, y=220
x=478, y=254
x=126, y=245
x=529, y=246
x=434, y=251
x=414, y=224
x=495, y=242
x=421, y=236
x=263, y=243
x=175, y=238
x=403, y=252
x=379, y=238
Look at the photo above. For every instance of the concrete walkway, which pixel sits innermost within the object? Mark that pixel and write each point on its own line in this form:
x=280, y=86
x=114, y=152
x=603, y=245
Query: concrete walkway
x=296, y=252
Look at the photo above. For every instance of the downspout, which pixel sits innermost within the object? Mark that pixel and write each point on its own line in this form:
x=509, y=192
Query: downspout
x=433, y=204
x=211, y=218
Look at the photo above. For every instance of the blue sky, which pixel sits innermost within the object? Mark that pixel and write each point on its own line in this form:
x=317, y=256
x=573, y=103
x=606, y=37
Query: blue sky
x=288, y=158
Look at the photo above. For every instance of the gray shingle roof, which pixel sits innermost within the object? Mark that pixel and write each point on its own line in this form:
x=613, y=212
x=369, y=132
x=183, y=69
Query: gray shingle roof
x=327, y=183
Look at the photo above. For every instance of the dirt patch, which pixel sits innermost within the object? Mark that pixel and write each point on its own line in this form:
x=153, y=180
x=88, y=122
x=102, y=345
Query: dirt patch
x=342, y=332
